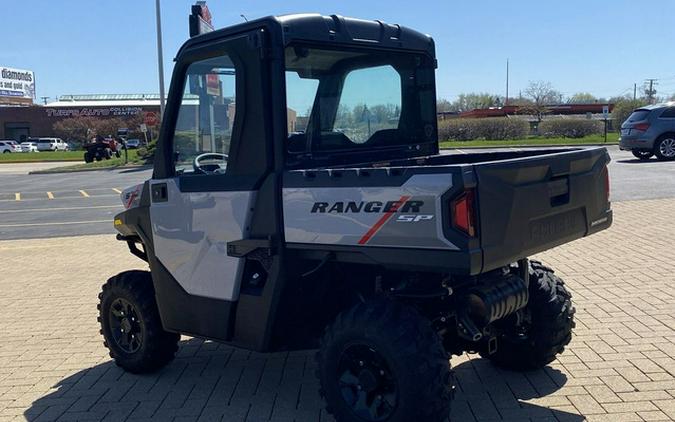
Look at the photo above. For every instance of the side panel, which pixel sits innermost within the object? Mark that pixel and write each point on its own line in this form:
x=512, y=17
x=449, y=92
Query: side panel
x=190, y=233
x=409, y=215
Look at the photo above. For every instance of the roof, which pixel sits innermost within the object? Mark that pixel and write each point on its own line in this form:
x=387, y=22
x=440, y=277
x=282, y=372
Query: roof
x=110, y=100
x=659, y=105
x=314, y=27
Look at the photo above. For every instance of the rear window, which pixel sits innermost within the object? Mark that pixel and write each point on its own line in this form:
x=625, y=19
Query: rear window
x=638, y=115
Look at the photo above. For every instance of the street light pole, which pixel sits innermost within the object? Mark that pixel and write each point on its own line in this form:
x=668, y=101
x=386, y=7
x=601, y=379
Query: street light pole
x=160, y=59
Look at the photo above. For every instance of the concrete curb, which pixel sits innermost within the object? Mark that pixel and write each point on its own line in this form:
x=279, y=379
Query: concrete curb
x=65, y=170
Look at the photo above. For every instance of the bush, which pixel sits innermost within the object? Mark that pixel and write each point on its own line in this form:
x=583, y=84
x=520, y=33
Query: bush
x=497, y=128
x=569, y=128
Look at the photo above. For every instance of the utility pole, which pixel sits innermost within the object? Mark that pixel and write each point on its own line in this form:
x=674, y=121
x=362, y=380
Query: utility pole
x=506, y=102
x=650, y=91
x=160, y=59
x=44, y=100
x=634, y=91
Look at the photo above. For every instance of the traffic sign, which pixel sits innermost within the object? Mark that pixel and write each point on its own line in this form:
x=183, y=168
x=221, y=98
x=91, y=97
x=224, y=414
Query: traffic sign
x=605, y=111
x=144, y=127
x=150, y=118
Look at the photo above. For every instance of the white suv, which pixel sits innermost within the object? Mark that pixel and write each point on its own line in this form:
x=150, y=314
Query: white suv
x=7, y=146
x=51, y=144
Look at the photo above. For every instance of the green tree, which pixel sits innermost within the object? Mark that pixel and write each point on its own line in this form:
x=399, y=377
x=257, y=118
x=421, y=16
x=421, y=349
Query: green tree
x=623, y=108
x=443, y=105
x=582, y=98
x=473, y=100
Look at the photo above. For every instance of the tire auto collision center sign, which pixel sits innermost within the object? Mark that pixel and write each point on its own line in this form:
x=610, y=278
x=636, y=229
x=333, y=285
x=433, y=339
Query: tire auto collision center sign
x=17, y=83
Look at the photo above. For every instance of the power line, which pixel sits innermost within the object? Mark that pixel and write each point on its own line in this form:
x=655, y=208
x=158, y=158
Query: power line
x=651, y=91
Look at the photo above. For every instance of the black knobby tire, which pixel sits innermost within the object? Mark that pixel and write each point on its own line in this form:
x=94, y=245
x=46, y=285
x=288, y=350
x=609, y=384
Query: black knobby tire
x=131, y=294
x=642, y=155
x=88, y=158
x=412, y=362
x=551, y=320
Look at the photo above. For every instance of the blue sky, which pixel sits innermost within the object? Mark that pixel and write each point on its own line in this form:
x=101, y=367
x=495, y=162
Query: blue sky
x=601, y=46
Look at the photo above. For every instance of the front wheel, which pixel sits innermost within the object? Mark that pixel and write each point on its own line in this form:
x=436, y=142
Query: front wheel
x=131, y=326
x=642, y=155
x=382, y=361
x=534, y=336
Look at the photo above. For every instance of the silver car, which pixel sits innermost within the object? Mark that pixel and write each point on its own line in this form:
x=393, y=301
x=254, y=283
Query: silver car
x=650, y=130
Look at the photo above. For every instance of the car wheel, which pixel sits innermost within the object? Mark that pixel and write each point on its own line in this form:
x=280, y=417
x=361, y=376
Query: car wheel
x=665, y=148
x=6, y=151
x=642, y=155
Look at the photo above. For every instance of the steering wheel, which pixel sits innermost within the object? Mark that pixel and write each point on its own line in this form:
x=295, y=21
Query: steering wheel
x=211, y=168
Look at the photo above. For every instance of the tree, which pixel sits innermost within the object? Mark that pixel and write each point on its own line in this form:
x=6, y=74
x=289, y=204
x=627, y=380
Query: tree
x=542, y=95
x=623, y=108
x=443, y=105
x=582, y=98
x=473, y=100
x=82, y=128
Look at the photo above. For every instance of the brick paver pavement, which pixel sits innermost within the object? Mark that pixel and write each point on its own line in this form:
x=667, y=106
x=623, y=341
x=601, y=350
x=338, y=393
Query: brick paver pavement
x=619, y=367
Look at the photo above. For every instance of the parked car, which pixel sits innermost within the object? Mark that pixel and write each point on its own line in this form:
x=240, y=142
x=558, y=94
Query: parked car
x=29, y=146
x=133, y=143
x=52, y=144
x=8, y=145
x=649, y=131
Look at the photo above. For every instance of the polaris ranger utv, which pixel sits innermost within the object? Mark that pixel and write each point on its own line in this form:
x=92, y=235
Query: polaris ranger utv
x=299, y=200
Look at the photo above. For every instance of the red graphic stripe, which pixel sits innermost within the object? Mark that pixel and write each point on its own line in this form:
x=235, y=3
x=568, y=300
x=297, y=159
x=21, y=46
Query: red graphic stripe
x=379, y=223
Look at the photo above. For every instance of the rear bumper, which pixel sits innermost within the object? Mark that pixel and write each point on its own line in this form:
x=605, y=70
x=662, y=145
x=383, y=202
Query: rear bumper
x=637, y=143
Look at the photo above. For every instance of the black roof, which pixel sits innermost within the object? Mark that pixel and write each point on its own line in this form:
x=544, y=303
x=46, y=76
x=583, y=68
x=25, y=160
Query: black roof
x=313, y=27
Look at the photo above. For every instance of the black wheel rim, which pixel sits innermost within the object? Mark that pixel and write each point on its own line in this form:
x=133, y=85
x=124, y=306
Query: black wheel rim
x=366, y=383
x=125, y=325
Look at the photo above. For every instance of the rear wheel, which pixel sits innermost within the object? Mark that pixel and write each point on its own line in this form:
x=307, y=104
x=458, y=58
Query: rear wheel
x=665, y=147
x=131, y=325
x=382, y=361
x=642, y=155
x=534, y=336
x=88, y=158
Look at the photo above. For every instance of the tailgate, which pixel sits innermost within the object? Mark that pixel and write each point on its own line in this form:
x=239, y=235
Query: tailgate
x=528, y=205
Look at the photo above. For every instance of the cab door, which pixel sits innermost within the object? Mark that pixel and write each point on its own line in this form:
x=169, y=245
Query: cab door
x=211, y=161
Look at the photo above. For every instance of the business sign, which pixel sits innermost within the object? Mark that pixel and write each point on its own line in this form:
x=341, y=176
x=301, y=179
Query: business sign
x=200, y=19
x=17, y=83
x=94, y=112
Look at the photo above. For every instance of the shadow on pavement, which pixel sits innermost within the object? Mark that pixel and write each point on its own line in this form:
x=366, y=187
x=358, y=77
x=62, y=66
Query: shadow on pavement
x=214, y=382
x=638, y=161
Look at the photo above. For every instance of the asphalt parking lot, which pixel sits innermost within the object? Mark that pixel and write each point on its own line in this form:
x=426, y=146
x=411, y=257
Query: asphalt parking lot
x=71, y=204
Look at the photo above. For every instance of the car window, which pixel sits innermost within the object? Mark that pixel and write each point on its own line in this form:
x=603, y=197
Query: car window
x=370, y=102
x=668, y=113
x=206, y=115
x=638, y=115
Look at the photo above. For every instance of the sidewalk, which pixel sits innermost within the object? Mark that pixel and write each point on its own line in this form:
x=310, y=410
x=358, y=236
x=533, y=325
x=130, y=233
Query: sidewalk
x=620, y=365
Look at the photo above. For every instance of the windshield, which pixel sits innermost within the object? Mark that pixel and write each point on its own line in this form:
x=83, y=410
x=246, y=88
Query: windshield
x=350, y=100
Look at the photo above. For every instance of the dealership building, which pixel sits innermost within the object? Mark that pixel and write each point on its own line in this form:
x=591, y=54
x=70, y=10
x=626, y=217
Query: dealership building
x=21, y=122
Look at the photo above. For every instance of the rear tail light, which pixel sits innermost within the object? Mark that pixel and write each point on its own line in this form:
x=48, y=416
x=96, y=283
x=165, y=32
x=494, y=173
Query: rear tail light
x=641, y=126
x=464, y=212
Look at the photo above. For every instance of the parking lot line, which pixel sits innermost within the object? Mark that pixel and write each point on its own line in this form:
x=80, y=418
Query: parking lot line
x=50, y=195
x=24, y=210
x=85, y=194
x=53, y=224
x=17, y=196
x=116, y=190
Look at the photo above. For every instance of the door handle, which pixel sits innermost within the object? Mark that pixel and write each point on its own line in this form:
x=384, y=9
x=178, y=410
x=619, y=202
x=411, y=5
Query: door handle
x=159, y=192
